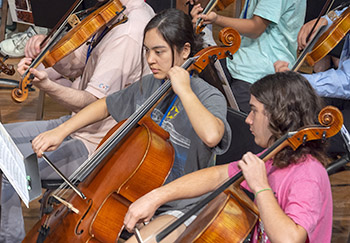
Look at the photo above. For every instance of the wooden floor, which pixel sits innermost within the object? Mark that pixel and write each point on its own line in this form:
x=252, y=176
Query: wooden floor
x=26, y=111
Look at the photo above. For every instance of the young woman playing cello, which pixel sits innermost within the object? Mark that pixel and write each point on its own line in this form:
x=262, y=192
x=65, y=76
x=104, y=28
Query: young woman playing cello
x=194, y=113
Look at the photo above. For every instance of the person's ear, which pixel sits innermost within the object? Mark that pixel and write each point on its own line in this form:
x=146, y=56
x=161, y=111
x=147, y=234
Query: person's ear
x=186, y=51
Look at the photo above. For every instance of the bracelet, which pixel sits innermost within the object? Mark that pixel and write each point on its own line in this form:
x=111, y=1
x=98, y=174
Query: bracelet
x=266, y=189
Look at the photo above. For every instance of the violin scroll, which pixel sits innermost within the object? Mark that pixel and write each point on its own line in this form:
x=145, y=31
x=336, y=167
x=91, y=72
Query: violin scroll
x=7, y=69
x=20, y=94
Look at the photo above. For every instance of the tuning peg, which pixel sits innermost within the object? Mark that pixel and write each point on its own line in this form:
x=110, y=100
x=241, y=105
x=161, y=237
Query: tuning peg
x=229, y=54
x=5, y=58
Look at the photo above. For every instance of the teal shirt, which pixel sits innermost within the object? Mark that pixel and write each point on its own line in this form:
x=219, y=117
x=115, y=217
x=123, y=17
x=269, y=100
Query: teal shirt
x=255, y=57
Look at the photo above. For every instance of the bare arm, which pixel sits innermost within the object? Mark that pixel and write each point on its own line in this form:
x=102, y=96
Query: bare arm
x=306, y=29
x=251, y=28
x=207, y=126
x=50, y=140
x=188, y=186
x=72, y=99
x=278, y=226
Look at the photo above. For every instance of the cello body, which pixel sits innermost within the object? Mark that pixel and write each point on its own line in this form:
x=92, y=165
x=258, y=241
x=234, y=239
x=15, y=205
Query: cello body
x=139, y=164
x=230, y=217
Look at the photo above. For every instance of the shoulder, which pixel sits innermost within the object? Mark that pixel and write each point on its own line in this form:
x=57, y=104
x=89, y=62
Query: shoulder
x=200, y=86
x=309, y=168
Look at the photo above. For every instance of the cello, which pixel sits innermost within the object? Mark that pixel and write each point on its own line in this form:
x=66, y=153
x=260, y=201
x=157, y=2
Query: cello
x=114, y=176
x=55, y=50
x=230, y=214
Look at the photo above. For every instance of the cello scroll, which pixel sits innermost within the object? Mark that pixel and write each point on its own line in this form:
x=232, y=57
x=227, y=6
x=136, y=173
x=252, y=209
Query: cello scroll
x=230, y=38
x=206, y=228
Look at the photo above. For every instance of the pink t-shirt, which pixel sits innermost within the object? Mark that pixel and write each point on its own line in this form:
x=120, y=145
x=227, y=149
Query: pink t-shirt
x=113, y=64
x=303, y=192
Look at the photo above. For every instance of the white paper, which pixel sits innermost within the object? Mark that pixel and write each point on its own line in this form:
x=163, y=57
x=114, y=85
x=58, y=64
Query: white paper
x=12, y=165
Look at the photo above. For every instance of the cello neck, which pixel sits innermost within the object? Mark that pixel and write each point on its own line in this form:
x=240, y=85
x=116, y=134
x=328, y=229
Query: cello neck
x=125, y=128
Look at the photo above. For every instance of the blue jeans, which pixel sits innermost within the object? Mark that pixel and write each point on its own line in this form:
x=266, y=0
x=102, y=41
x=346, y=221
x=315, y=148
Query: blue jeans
x=68, y=157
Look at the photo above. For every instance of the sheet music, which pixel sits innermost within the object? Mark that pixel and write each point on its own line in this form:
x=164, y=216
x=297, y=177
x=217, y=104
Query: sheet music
x=12, y=165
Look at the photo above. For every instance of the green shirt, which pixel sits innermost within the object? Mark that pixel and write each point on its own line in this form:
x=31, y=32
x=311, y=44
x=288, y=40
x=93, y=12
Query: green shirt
x=255, y=57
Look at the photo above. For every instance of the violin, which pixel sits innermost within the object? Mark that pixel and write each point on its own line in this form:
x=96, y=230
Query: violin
x=6, y=68
x=117, y=174
x=325, y=40
x=55, y=51
x=219, y=5
x=230, y=214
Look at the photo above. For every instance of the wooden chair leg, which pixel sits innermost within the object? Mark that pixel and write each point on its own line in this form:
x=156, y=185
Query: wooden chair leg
x=40, y=108
x=4, y=11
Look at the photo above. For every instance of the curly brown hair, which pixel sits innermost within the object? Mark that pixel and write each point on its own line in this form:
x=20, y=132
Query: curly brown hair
x=291, y=103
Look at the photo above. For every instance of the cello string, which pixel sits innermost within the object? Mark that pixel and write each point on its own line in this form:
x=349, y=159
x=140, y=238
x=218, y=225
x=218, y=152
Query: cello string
x=87, y=167
x=90, y=163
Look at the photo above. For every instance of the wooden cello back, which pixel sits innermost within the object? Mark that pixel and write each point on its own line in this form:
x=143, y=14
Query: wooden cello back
x=231, y=209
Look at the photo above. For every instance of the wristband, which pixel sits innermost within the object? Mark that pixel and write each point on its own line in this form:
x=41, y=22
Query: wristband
x=266, y=189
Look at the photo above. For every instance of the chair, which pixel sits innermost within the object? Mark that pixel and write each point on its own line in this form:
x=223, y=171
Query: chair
x=214, y=74
x=242, y=139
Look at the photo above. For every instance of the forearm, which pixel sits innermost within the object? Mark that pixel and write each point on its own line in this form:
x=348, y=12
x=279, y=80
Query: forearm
x=72, y=99
x=251, y=28
x=92, y=113
x=191, y=185
x=277, y=225
x=209, y=128
x=72, y=65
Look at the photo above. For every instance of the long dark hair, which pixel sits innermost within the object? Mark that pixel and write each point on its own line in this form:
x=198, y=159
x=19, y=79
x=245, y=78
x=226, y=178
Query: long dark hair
x=290, y=103
x=176, y=28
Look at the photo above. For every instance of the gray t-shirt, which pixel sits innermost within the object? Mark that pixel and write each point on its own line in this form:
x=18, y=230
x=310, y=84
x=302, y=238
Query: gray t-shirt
x=191, y=153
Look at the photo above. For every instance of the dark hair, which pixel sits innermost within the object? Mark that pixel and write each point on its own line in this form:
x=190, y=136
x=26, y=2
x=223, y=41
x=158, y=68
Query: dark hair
x=176, y=28
x=291, y=103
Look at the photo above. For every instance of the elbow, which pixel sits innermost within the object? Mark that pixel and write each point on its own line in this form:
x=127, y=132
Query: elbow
x=213, y=138
x=296, y=235
x=255, y=35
